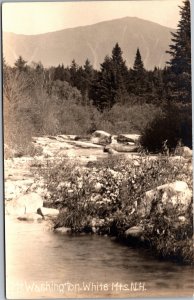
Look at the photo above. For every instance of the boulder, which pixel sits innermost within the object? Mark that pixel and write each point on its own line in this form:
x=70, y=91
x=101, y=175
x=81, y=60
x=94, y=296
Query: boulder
x=82, y=138
x=128, y=138
x=135, y=232
x=94, y=230
x=185, y=152
x=123, y=148
x=182, y=219
x=101, y=138
x=95, y=222
x=85, y=145
x=98, y=187
x=63, y=230
x=30, y=217
x=48, y=212
x=114, y=139
x=176, y=194
x=63, y=136
x=108, y=149
x=28, y=203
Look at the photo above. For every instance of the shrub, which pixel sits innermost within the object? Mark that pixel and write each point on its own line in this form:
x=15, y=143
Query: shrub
x=112, y=185
x=108, y=194
x=77, y=119
x=127, y=118
x=30, y=111
x=169, y=236
x=173, y=125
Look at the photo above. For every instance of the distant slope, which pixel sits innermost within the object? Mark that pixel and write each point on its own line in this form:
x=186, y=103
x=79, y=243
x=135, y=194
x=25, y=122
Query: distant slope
x=93, y=42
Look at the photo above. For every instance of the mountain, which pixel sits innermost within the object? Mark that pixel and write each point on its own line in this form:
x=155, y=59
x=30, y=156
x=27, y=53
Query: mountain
x=93, y=42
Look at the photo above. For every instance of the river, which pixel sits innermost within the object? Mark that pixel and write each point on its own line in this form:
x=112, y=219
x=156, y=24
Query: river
x=43, y=264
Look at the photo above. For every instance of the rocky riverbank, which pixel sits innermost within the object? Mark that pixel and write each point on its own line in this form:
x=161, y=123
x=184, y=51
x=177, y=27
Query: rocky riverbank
x=81, y=187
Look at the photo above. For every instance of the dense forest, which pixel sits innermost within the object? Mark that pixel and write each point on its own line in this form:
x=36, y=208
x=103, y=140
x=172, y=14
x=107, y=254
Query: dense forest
x=80, y=99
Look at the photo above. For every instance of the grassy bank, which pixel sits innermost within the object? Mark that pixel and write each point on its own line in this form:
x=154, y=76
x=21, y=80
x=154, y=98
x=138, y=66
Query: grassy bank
x=108, y=197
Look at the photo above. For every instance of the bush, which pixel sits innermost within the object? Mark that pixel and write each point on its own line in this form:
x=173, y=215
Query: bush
x=171, y=127
x=115, y=184
x=77, y=119
x=30, y=111
x=170, y=237
x=127, y=118
x=108, y=196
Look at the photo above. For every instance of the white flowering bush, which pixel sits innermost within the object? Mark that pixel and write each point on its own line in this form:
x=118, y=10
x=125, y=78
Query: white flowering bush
x=106, y=197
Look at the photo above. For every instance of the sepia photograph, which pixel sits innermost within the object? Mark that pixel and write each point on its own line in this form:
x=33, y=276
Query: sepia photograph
x=97, y=139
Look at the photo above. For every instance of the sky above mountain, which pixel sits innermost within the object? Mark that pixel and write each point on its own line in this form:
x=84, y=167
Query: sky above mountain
x=41, y=17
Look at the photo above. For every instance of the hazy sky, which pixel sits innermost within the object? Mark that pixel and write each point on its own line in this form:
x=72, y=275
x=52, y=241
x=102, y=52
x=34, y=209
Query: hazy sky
x=41, y=17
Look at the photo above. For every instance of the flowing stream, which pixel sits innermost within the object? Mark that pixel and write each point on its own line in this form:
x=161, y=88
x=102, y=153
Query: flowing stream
x=43, y=264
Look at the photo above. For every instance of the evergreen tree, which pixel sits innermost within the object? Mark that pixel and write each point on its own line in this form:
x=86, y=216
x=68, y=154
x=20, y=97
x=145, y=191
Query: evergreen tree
x=111, y=85
x=88, y=74
x=158, y=84
x=180, y=62
x=73, y=73
x=88, y=68
x=102, y=91
x=138, y=66
x=59, y=73
x=20, y=64
x=120, y=75
x=175, y=124
x=138, y=74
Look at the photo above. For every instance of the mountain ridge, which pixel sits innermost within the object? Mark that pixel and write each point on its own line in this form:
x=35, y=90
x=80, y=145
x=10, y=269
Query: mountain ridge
x=81, y=26
x=94, y=42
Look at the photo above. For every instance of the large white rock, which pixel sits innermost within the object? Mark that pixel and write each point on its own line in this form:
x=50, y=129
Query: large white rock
x=176, y=194
x=63, y=230
x=28, y=203
x=101, y=137
x=185, y=152
x=128, y=138
x=108, y=149
x=49, y=212
x=135, y=231
x=123, y=148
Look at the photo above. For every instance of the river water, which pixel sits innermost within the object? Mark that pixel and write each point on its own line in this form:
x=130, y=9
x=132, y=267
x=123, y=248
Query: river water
x=43, y=264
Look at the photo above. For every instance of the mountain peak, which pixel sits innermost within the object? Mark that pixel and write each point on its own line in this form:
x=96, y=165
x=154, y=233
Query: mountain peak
x=93, y=42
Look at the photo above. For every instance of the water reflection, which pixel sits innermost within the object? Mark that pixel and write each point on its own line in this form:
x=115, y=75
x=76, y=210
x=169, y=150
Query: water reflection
x=36, y=255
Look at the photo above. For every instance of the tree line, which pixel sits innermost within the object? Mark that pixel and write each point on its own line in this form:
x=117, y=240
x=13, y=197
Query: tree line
x=114, y=83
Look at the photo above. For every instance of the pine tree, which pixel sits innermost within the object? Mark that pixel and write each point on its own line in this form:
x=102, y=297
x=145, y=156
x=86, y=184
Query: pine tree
x=158, y=84
x=180, y=62
x=87, y=77
x=59, y=73
x=88, y=68
x=138, y=66
x=138, y=76
x=120, y=75
x=102, y=91
x=111, y=85
x=175, y=124
x=20, y=64
x=73, y=73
